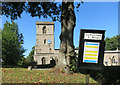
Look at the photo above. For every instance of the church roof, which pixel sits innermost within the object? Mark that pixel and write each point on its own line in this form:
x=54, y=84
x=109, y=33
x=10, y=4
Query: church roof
x=44, y=23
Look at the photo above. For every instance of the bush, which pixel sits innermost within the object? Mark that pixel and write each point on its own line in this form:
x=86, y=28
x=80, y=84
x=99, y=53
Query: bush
x=26, y=64
x=109, y=74
x=74, y=63
x=35, y=67
x=11, y=66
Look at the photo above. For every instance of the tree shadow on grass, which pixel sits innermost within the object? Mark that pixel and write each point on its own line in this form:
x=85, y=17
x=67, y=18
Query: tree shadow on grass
x=51, y=65
x=108, y=75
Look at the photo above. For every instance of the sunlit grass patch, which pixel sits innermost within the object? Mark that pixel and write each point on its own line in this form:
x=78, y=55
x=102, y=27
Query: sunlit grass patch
x=23, y=75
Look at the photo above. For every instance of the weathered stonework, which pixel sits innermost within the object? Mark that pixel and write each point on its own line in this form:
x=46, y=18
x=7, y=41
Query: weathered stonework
x=44, y=49
x=112, y=58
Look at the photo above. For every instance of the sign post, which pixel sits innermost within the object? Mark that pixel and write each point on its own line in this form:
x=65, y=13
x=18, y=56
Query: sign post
x=91, y=50
x=87, y=77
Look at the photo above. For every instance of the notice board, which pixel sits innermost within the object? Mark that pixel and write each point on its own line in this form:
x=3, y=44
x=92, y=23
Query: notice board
x=91, y=49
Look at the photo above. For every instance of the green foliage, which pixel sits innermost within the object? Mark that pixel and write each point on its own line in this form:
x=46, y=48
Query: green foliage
x=109, y=74
x=12, y=49
x=73, y=64
x=0, y=45
x=30, y=58
x=112, y=43
x=0, y=39
x=0, y=34
x=22, y=61
x=35, y=9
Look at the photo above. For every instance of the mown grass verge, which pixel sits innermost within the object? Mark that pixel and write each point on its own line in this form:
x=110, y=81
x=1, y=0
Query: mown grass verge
x=23, y=75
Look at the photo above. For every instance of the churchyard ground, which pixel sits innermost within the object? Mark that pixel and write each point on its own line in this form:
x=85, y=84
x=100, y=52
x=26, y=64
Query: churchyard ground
x=23, y=75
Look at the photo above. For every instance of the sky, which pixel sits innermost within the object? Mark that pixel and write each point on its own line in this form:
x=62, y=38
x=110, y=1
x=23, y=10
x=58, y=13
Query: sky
x=91, y=15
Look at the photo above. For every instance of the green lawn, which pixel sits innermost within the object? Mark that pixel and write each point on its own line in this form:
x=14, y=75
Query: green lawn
x=23, y=75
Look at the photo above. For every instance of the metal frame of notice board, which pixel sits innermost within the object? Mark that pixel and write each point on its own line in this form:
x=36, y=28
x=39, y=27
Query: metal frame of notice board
x=91, y=49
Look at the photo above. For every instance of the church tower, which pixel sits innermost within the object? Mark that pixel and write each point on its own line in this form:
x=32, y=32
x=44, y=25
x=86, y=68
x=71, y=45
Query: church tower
x=44, y=48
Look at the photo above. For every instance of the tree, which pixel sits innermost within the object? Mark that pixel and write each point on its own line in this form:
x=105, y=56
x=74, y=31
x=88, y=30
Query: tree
x=30, y=58
x=68, y=23
x=0, y=46
x=112, y=43
x=52, y=9
x=12, y=49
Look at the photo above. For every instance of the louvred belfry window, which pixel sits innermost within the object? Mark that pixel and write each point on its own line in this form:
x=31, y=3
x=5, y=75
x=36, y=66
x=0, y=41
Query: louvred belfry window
x=44, y=30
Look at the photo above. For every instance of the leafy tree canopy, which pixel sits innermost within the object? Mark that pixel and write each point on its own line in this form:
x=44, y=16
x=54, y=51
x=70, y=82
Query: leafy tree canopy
x=35, y=9
x=12, y=40
x=112, y=43
x=30, y=57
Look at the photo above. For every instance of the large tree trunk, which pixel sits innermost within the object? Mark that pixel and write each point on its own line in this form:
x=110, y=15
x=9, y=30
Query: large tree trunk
x=68, y=21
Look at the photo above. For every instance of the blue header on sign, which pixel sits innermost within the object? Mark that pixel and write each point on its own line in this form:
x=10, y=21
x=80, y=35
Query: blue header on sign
x=91, y=44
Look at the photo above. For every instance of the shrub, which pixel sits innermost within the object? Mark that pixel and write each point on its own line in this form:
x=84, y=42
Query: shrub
x=109, y=74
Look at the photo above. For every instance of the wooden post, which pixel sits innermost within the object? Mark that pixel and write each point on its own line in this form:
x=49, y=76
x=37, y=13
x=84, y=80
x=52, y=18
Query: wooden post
x=87, y=77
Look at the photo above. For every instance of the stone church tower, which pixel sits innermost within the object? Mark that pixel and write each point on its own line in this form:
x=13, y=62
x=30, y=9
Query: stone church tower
x=44, y=49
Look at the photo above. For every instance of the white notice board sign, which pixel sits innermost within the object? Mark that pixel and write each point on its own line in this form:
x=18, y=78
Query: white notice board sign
x=93, y=36
x=91, y=51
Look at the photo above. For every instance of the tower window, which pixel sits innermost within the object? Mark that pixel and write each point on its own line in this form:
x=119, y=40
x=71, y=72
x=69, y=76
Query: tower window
x=43, y=61
x=44, y=29
x=44, y=41
x=113, y=59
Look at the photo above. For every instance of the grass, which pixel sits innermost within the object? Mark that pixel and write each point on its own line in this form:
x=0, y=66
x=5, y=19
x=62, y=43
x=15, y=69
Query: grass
x=23, y=75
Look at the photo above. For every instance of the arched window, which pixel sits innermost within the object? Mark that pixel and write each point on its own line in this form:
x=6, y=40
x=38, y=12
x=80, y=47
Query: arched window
x=113, y=59
x=43, y=61
x=44, y=29
x=44, y=41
